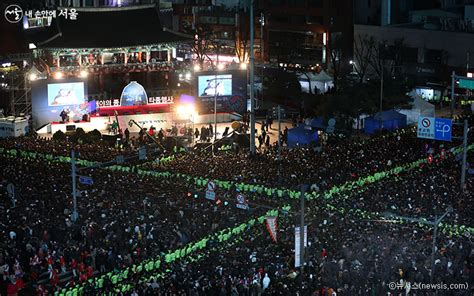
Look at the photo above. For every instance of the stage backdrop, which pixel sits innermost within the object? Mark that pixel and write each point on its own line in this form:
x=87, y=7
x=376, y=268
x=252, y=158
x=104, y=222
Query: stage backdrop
x=50, y=97
x=231, y=89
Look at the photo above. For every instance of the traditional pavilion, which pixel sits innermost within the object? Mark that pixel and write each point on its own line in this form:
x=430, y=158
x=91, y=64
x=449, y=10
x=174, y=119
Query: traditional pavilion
x=110, y=40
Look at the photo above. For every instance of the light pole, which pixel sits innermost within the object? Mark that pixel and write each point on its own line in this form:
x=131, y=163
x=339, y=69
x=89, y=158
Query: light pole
x=434, y=223
x=302, y=232
x=453, y=78
x=279, y=143
x=215, y=107
x=464, y=154
x=75, y=214
x=215, y=112
x=252, y=82
x=381, y=85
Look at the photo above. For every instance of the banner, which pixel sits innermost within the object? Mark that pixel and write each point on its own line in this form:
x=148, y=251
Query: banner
x=272, y=227
x=297, y=243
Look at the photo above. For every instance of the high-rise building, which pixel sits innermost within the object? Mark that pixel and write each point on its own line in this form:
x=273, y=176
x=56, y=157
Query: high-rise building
x=306, y=33
x=433, y=38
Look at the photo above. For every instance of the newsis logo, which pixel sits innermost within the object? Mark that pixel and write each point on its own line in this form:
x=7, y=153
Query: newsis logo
x=13, y=13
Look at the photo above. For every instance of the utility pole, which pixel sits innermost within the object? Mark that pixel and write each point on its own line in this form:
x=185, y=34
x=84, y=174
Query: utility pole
x=215, y=114
x=252, y=82
x=453, y=76
x=279, y=143
x=435, y=223
x=302, y=232
x=435, y=236
x=381, y=86
x=467, y=61
x=464, y=154
x=75, y=214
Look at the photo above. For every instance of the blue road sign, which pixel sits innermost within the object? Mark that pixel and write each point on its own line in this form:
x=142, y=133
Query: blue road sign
x=443, y=129
x=86, y=180
x=434, y=128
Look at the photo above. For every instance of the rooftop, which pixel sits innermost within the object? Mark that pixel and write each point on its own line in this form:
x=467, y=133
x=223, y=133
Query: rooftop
x=107, y=28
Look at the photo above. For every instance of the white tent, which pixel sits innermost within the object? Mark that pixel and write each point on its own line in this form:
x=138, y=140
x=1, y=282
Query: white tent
x=419, y=108
x=425, y=108
x=322, y=81
x=323, y=77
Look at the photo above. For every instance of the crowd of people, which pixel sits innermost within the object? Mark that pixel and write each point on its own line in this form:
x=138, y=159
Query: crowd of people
x=126, y=218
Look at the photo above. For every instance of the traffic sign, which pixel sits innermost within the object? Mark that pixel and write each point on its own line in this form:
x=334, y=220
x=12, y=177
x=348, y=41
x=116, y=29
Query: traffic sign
x=211, y=186
x=443, y=129
x=331, y=126
x=211, y=195
x=241, y=202
x=86, y=180
x=466, y=83
x=434, y=128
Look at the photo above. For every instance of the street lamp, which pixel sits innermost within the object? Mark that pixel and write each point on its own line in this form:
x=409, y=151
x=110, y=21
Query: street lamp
x=352, y=63
x=434, y=223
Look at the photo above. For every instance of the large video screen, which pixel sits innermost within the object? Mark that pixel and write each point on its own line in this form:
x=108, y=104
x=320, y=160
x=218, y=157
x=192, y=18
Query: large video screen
x=231, y=91
x=212, y=85
x=65, y=94
x=49, y=98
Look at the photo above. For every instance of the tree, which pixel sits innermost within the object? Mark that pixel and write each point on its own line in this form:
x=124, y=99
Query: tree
x=336, y=54
x=242, y=40
x=363, y=50
x=204, y=42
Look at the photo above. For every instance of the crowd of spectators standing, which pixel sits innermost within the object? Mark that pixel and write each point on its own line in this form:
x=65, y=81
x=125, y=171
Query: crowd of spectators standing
x=126, y=218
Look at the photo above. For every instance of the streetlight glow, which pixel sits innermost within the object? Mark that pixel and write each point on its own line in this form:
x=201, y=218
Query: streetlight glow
x=220, y=67
x=83, y=74
x=243, y=66
x=58, y=75
x=197, y=68
x=32, y=77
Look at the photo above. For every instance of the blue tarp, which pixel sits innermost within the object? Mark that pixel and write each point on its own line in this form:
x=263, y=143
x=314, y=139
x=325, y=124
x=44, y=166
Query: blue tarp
x=387, y=120
x=299, y=136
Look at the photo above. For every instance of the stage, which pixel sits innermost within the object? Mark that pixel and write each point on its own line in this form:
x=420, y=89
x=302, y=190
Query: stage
x=157, y=120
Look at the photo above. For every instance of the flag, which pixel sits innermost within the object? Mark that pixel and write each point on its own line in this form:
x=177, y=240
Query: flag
x=272, y=227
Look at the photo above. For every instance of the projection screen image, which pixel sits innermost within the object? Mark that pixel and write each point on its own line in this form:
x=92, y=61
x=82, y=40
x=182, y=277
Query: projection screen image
x=65, y=94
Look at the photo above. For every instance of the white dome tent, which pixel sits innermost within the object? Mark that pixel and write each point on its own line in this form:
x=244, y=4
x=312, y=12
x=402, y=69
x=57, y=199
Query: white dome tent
x=321, y=81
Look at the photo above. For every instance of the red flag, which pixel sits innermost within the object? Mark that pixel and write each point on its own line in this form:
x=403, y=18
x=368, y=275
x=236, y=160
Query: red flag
x=272, y=227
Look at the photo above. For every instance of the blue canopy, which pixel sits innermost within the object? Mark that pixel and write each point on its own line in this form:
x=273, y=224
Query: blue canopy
x=387, y=120
x=300, y=136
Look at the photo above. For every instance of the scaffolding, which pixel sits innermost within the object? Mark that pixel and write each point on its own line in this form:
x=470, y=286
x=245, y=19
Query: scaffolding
x=20, y=93
x=19, y=87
